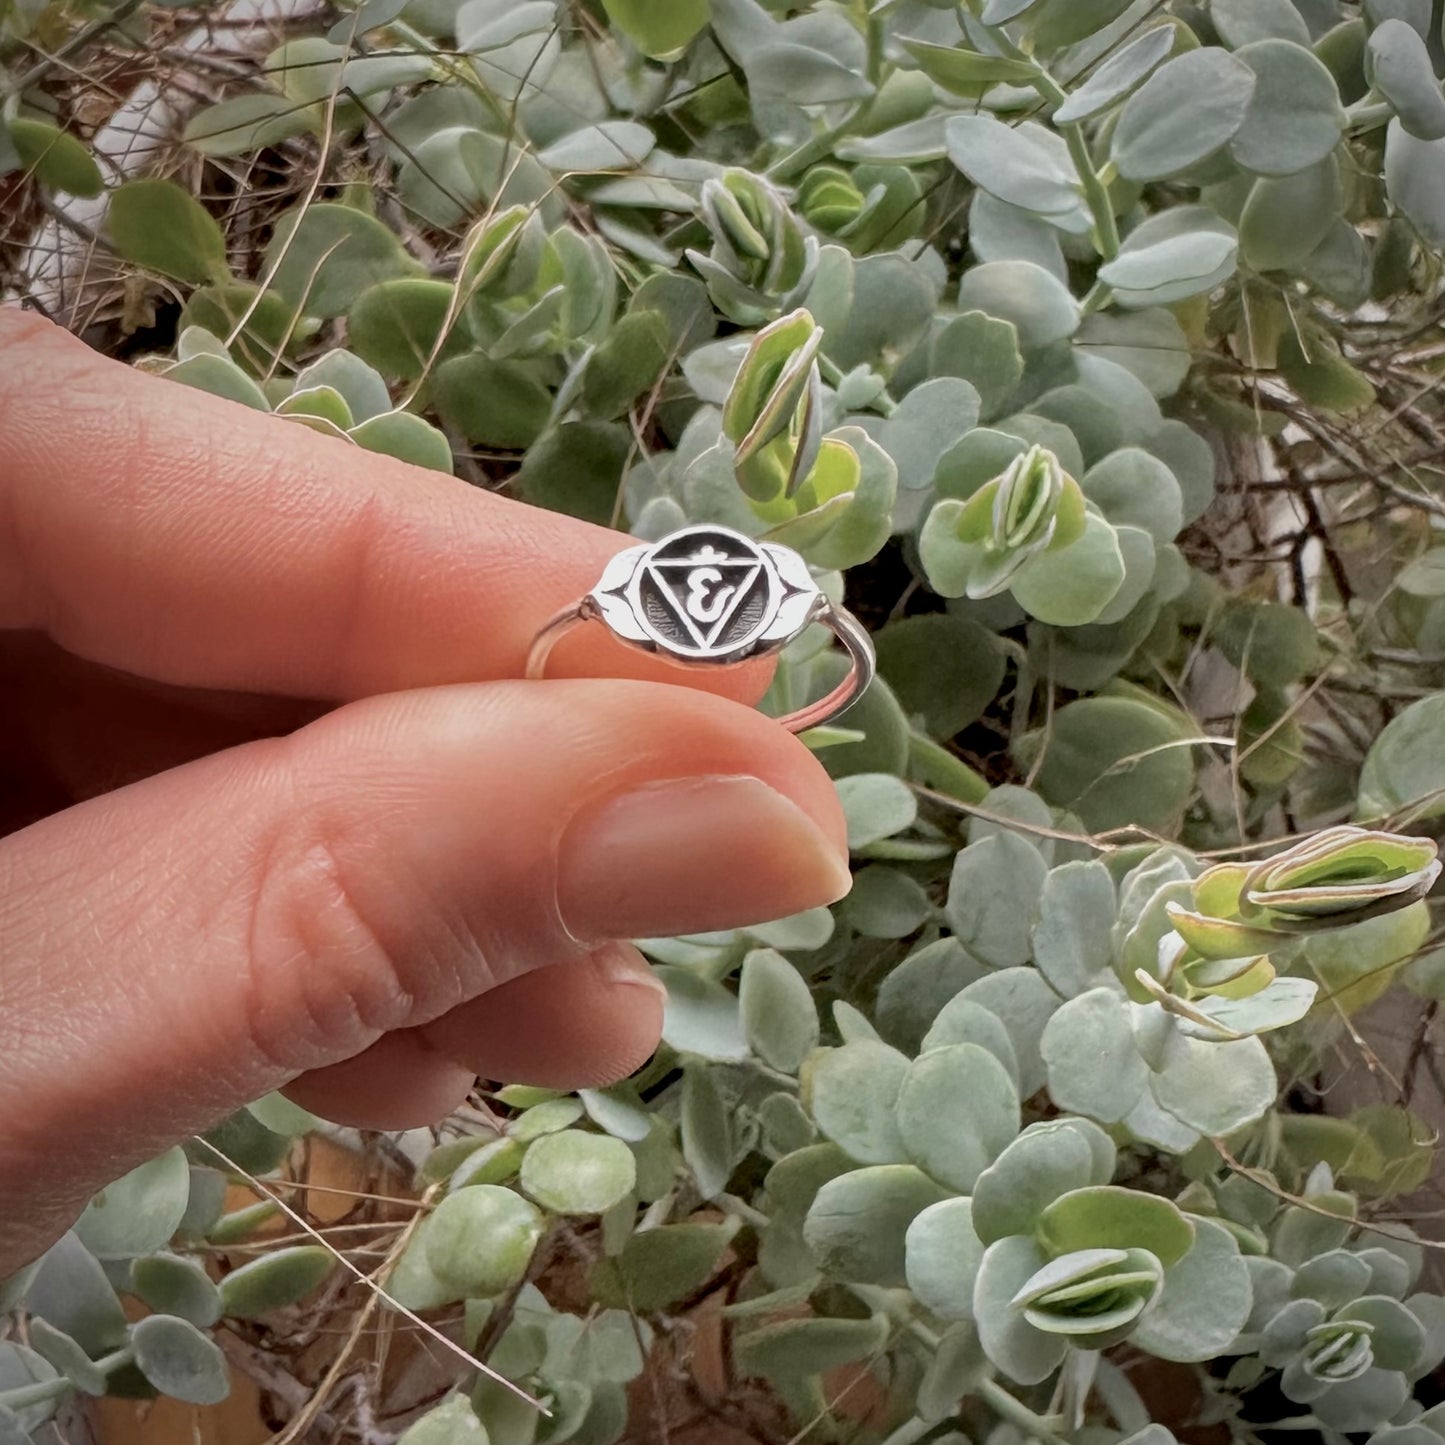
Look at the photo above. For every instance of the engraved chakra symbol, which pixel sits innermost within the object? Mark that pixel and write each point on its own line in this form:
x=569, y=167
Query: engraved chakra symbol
x=707, y=594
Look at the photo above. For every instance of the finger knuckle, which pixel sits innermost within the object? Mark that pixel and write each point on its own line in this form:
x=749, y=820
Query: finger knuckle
x=330, y=971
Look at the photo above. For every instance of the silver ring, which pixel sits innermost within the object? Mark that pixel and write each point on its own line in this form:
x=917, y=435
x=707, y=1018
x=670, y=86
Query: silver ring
x=707, y=596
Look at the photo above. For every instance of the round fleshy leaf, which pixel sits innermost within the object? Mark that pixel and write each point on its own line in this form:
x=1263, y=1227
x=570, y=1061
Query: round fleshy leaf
x=853, y=1094
x=992, y=893
x=573, y=1172
x=1025, y=1354
x=1205, y=1301
x=858, y=1222
x=1216, y=1088
x=1093, y=1063
x=1046, y=1161
x=172, y=1285
x=1075, y=585
x=479, y=1240
x=1026, y=165
x=1191, y=107
x=1295, y=118
x=943, y=1254
x=1037, y=303
x=180, y=1361
x=139, y=1213
x=1123, y=72
x=274, y=1280
x=957, y=1110
x=160, y=226
x=1106, y=1216
x=778, y=1012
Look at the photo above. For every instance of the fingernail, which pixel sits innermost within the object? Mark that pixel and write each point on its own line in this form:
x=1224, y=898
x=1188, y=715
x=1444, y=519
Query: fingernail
x=694, y=854
x=621, y=966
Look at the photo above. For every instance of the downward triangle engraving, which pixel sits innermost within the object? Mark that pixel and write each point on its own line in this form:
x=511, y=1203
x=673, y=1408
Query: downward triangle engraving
x=705, y=596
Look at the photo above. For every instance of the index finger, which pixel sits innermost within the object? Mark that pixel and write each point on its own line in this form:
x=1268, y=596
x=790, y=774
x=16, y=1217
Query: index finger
x=186, y=538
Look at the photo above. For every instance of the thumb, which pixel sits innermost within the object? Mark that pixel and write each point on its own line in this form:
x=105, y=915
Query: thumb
x=179, y=947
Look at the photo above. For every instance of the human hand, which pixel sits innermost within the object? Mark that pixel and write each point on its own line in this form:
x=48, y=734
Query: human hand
x=278, y=816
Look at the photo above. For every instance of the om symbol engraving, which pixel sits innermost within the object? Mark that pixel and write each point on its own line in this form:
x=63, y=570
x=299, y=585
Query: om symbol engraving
x=705, y=605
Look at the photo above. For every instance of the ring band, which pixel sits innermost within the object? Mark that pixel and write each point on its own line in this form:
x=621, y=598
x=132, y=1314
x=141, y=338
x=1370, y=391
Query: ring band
x=708, y=596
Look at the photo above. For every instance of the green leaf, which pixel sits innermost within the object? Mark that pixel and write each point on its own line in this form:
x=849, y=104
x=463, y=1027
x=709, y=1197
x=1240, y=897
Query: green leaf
x=1295, y=118
x=453, y=1422
x=1094, y=1065
x=1285, y=220
x=961, y=1021
x=1242, y=22
x=946, y=667
x=992, y=894
x=493, y=403
x=1415, y=180
x=609, y=145
x=245, y=124
x=858, y=1222
x=1105, y=1216
x=546, y=1116
x=1038, y=304
x=321, y=257
x=139, y=1213
x=172, y=1285
x=852, y=1093
x=628, y=362
x=1400, y=68
x=56, y=158
x=1176, y=265
x=957, y=1110
x=942, y=1258
x=707, y=1144
x=1404, y=771
x=220, y=376
x=62, y=1352
x=1121, y=74
x=574, y=468
x=577, y=1173
x=876, y=805
x=1134, y=489
x=480, y=1239
x=179, y=1360
x=1205, y=1303
x=1071, y=941
x=159, y=226
x=1063, y=22
x=1216, y=1088
x=397, y=326
x=1114, y=761
x=1026, y=165
x=984, y=351
x=1022, y=1002
x=701, y=1017
x=1025, y=1354
x=778, y=1012
x=965, y=72
x=1046, y=1161
x=322, y=403
x=275, y=1280
x=1075, y=585
x=659, y=1267
x=1191, y=107
x=407, y=437
x=805, y=1347
x=658, y=30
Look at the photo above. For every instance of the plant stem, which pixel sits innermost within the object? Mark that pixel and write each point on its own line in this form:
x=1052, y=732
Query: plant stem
x=1096, y=193
x=42, y=1391
x=1035, y=1426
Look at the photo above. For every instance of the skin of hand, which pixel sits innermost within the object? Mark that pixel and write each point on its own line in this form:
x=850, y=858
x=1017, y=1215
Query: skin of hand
x=276, y=811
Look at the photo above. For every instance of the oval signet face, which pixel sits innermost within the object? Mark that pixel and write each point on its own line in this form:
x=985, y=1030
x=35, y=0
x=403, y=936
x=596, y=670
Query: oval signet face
x=706, y=594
